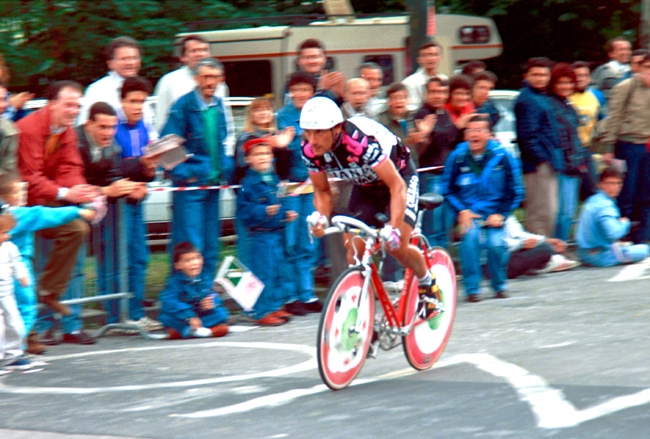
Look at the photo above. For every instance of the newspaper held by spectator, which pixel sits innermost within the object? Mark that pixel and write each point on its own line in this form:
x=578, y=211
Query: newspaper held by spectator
x=171, y=151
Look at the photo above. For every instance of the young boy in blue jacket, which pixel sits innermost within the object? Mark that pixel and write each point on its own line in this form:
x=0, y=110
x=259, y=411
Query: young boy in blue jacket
x=190, y=308
x=30, y=220
x=263, y=214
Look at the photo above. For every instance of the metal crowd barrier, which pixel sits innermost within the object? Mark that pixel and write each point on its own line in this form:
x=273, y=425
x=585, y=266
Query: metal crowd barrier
x=116, y=273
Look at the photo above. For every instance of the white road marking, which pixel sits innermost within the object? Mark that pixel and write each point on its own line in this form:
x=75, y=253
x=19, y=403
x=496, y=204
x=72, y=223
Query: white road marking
x=549, y=405
x=632, y=272
x=559, y=345
x=289, y=370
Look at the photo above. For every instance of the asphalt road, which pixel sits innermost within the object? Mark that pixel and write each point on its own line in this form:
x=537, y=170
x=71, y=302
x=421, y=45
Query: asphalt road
x=567, y=356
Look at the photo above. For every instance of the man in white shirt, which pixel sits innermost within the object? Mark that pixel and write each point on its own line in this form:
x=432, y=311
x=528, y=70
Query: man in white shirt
x=357, y=93
x=373, y=73
x=429, y=56
x=123, y=61
x=181, y=81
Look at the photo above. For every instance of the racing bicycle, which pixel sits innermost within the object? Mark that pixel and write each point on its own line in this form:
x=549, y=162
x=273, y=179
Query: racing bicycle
x=349, y=330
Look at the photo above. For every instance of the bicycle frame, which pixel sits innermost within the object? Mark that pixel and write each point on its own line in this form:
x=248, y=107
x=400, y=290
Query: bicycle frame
x=371, y=276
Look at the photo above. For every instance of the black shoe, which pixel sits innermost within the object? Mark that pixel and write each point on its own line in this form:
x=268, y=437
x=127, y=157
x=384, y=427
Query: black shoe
x=501, y=295
x=312, y=307
x=295, y=308
x=428, y=298
x=47, y=338
x=473, y=298
x=78, y=338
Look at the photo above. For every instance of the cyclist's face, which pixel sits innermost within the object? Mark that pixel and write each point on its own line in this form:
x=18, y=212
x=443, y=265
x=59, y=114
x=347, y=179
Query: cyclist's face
x=322, y=141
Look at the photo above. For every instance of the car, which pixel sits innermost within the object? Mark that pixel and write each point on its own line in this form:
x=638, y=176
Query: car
x=506, y=129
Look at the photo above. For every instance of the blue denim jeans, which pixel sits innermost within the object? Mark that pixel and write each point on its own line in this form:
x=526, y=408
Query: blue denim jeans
x=437, y=223
x=196, y=219
x=472, y=245
x=299, y=252
x=267, y=247
x=75, y=290
x=243, y=242
x=138, y=252
x=568, y=192
x=608, y=257
x=634, y=199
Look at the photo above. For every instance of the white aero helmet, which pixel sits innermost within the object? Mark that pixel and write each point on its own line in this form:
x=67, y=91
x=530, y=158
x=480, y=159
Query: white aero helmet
x=320, y=113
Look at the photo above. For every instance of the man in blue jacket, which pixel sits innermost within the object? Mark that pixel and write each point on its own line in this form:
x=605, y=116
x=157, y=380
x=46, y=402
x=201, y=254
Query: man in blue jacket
x=199, y=117
x=482, y=184
x=539, y=143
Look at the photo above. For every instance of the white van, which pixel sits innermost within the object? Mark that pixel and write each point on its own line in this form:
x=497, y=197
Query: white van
x=259, y=60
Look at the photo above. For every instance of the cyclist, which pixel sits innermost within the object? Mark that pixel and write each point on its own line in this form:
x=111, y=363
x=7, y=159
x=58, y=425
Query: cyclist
x=368, y=155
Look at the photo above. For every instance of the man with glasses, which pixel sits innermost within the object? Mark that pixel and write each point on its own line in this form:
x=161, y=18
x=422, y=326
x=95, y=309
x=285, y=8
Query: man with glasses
x=199, y=117
x=123, y=58
x=482, y=183
x=181, y=81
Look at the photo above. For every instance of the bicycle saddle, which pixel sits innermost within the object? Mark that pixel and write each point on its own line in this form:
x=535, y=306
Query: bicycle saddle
x=430, y=201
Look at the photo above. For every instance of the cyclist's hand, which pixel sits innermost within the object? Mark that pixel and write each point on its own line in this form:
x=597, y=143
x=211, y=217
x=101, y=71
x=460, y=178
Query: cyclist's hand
x=392, y=237
x=272, y=210
x=317, y=224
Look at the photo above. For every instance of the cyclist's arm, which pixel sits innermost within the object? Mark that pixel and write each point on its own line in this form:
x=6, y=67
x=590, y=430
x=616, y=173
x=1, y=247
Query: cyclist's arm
x=388, y=174
x=322, y=193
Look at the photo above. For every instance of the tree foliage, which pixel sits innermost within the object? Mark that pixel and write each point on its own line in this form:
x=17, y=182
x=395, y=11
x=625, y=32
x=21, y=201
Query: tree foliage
x=46, y=40
x=562, y=30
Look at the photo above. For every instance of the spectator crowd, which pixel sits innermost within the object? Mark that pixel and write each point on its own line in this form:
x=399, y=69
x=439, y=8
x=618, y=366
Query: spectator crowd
x=83, y=158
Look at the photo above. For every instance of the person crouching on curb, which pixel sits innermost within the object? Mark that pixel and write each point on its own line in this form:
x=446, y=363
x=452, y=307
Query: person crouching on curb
x=190, y=308
x=600, y=226
x=264, y=216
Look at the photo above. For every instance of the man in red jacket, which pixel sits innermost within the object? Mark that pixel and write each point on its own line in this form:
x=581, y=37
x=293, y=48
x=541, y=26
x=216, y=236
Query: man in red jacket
x=49, y=161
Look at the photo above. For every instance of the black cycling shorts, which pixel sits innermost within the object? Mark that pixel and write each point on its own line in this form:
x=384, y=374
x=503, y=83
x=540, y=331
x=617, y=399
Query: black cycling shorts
x=367, y=201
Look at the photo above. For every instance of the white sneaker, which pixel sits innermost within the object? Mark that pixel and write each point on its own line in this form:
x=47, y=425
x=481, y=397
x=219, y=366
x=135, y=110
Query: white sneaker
x=201, y=332
x=149, y=324
x=567, y=264
x=550, y=265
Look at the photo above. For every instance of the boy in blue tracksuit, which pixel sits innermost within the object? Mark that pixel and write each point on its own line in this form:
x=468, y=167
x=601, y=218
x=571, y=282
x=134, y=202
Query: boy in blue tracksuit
x=262, y=213
x=482, y=184
x=199, y=117
x=190, y=308
x=30, y=220
x=132, y=137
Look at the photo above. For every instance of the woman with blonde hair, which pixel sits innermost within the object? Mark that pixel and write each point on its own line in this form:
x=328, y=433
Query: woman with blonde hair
x=260, y=122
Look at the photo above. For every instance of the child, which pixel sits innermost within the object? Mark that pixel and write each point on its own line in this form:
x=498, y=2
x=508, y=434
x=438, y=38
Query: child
x=28, y=221
x=189, y=306
x=132, y=137
x=262, y=214
x=11, y=267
